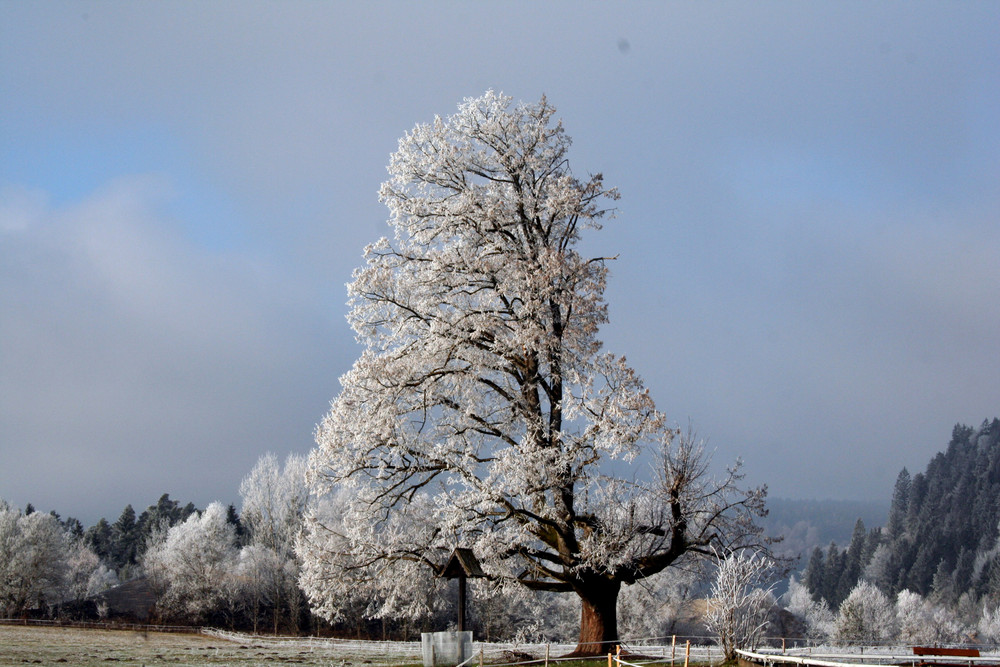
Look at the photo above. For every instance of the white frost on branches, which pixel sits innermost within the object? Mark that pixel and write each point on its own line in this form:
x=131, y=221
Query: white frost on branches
x=989, y=624
x=867, y=616
x=33, y=551
x=818, y=617
x=192, y=565
x=482, y=412
x=86, y=575
x=274, y=504
x=922, y=622
x=741, y=601
x=343, y=582
x=653, y=607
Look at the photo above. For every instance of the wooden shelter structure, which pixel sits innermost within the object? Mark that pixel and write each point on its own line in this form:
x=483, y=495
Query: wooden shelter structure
x=462, y=565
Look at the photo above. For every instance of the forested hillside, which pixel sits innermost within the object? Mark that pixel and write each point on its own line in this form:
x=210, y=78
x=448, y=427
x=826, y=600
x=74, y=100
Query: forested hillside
x=932, y=573
x=941, y=535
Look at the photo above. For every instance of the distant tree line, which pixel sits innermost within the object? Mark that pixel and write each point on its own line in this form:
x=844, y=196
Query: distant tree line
x=122, y=544
x=869, y=616
x=240, y=569
x=213, y=565
x=806, y=524
x=941, y=538
x=931, y=574
x=46, y=561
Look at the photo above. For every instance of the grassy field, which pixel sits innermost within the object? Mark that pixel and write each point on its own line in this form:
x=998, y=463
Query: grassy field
x=89, y=648
x=78, y=647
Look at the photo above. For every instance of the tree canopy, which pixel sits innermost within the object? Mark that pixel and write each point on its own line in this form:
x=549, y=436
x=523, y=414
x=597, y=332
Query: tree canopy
x=482, y=411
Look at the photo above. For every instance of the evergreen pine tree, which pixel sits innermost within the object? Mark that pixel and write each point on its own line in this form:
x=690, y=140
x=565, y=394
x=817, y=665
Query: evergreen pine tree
x=942, y=588
x=852, y=561
x=99, y=538
x=814, y=574
x=233, y=518
x=73, y=527
x=872, y=543
x=894, y=525
x=832, y=571
x=125, y=544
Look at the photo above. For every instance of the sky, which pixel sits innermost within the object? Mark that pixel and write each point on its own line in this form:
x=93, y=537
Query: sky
x=808, y=238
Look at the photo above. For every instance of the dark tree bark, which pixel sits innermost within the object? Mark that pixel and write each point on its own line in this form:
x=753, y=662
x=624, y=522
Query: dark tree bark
x=598, y=615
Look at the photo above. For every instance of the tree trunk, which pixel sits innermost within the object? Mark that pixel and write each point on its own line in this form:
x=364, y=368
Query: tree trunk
x=598, y=616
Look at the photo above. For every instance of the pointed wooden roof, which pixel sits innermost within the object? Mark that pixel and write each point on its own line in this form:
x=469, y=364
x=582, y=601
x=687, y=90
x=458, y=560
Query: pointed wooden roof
x=463, y=563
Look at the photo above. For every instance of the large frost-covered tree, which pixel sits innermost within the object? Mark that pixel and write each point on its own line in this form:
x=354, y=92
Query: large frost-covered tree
x=482, y=412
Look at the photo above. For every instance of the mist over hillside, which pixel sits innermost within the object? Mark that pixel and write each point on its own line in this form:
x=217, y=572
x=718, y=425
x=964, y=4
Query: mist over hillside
x=807, y=524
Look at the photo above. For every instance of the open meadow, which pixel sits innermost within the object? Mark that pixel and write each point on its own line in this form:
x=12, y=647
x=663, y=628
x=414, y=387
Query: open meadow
x=76, y=647
x=85, y=647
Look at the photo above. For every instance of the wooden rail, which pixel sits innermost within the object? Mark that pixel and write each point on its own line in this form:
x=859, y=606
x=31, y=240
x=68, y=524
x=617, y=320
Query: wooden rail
x=943, y=656
x=953, y=652
x=95, y=625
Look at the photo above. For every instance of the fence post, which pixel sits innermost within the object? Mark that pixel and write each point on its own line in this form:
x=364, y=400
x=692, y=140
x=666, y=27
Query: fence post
x=673, y=648
x=546, y=655
x=609, y=659
x=687, y=653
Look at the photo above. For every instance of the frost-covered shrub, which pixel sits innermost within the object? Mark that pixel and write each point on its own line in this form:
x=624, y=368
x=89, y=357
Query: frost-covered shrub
x=101, y=579
x=86, y=575
x=923, y=622
x=913, y=616
x=947, y=626
x=741, y=601
x=818, y=617
x=191, y=567
x=33, y=551
x=989, y=624
x=866, y=616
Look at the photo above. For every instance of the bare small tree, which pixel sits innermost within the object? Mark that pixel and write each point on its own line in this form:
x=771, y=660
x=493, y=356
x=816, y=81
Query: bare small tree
x=742, y=599
x=274, y=504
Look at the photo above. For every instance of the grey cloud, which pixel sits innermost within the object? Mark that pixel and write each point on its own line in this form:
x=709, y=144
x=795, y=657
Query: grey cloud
x=807, y=230
x=133, y=361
